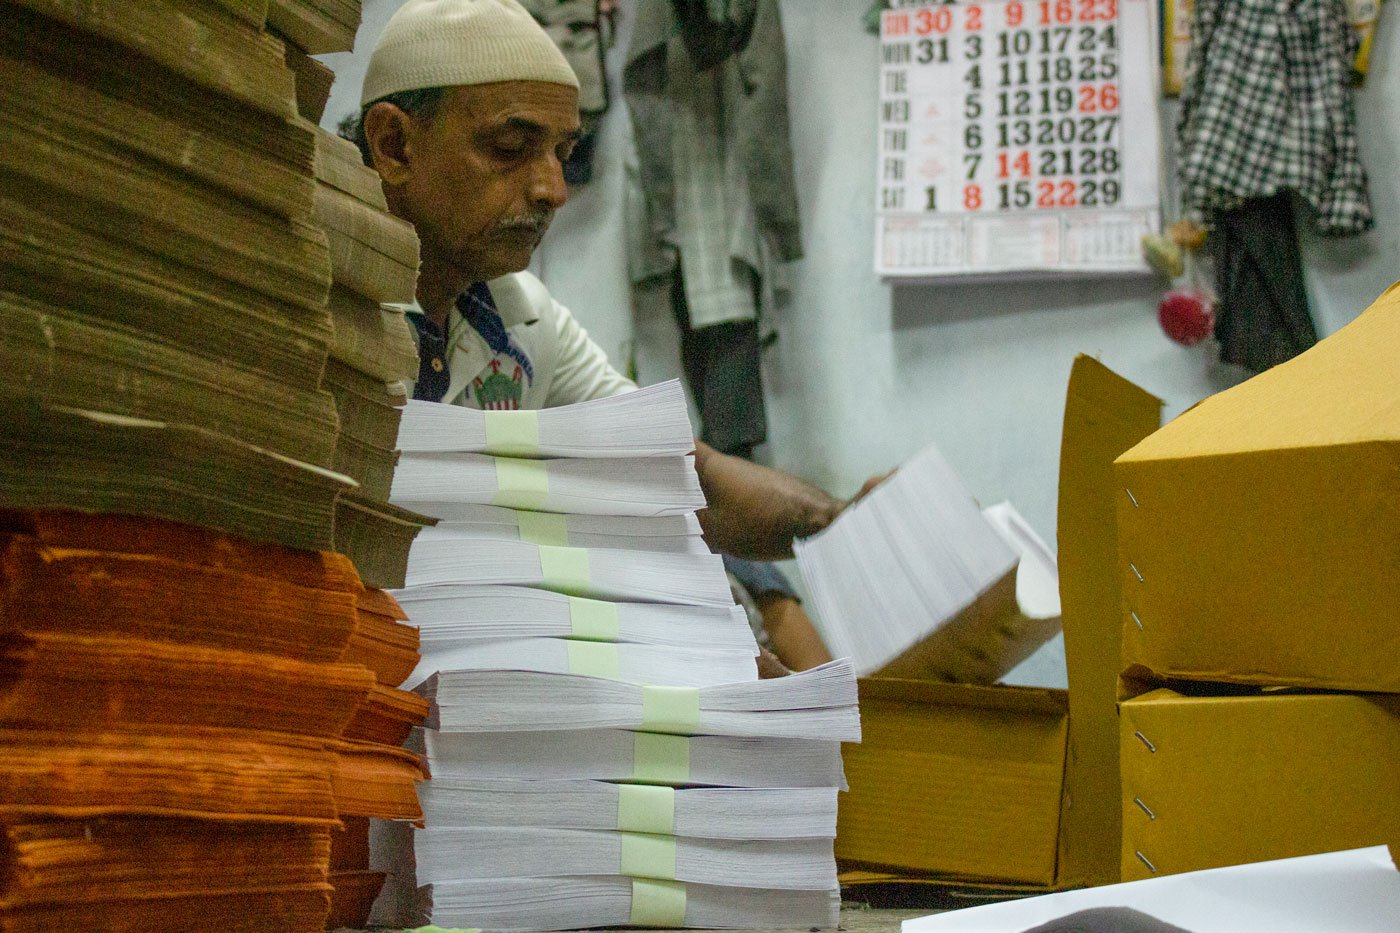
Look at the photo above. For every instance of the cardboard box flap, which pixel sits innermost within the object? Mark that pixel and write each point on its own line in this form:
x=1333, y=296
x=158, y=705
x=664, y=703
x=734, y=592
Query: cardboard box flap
x=1105, y=415
x=1019, y=699
x=974, y=782
x=1341, y=391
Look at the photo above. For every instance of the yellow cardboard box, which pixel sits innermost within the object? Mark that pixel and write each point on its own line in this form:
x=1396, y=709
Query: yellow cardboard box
x=955, y=779
x=1217, y=780
x=1008, y=784
x=1260, y=531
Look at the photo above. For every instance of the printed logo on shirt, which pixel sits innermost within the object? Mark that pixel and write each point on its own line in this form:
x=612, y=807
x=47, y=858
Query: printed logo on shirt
x=499, y=392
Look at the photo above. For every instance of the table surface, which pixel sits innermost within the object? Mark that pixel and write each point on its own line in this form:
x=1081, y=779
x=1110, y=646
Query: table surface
x=855, y=918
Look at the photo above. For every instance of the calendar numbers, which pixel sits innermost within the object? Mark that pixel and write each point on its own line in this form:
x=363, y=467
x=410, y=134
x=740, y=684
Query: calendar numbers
x=1014, y=109
x=1050, y=110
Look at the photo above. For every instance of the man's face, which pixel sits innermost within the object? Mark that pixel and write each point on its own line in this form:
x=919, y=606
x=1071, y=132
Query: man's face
x=486, y=174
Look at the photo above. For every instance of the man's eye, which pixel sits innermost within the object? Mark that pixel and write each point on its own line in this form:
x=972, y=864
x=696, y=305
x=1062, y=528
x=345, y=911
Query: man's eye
x=509, y=148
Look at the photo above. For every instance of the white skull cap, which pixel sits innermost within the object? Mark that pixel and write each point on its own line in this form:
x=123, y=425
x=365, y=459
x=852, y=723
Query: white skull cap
x=441, y=43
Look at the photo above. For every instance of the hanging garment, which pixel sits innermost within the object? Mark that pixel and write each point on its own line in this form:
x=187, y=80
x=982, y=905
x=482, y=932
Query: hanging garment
x=1266, y=107
x=583, y=35
x=742, y=40
x=714, y=204
x=722, y=368
x=1262, y=318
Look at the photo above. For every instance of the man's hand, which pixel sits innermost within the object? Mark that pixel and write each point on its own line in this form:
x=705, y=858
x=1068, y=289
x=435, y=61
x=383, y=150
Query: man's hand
x=754, y=511
x=769, y=666
x=869, y=487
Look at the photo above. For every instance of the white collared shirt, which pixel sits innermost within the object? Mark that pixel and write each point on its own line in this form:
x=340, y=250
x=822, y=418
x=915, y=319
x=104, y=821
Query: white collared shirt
x=567, y=365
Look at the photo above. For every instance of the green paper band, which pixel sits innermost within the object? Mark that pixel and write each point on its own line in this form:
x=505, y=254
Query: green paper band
x=513, y=433
x=671, y=709
x=593, y=619
x=660, y=759
x=564, y=568
x=543, y=528
x=593, y=659
x=647, y=856
x=521, y=484
x=657, y=903
x=642, y=808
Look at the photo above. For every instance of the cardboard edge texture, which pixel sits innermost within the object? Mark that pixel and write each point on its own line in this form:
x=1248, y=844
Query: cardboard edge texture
x=1105, y=415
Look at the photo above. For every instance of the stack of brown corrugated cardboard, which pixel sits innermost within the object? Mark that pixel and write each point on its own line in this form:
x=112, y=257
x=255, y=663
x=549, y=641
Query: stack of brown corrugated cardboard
x=1011, y=787
x=306, y=28
x=374, y=269
x=164, y=333
x=1259, y=542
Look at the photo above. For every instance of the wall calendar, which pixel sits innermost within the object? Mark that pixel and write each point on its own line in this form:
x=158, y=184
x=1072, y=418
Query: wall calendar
x=1017, y=137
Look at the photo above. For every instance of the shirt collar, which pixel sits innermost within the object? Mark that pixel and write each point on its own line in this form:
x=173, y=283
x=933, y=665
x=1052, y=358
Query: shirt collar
x=513, y=314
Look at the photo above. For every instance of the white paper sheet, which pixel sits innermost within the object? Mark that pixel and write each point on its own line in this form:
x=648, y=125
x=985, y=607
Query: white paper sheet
x=1348, y=892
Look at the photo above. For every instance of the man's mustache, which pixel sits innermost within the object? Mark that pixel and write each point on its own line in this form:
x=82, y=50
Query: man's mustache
x=534, y=222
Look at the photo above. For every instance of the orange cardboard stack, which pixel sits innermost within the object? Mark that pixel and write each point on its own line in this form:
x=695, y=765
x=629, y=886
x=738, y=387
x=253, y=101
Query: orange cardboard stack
x=374, y=776
x=171, y=699
x=193, y=688
x=1260, y=714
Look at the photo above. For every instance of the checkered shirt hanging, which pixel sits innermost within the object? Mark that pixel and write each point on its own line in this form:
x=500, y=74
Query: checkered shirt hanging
x=1266, y=107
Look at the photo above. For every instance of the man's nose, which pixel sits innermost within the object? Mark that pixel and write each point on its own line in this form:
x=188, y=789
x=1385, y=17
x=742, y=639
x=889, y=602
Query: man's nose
x=547, y=187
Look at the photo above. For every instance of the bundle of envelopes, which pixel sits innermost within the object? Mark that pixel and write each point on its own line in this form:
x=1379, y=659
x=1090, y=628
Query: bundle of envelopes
x=603, y=752
x=187, y=667
x=174, y=691
x=374, y=775
x=1257, y=533
x=915, y=581
x=372, y=353
x=374, y=268
x=169, y=256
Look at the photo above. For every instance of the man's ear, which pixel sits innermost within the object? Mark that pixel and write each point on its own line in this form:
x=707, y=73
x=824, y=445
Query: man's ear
x=389, y=132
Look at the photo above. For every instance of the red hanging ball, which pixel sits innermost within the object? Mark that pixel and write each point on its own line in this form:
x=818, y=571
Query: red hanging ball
x=1187, y=315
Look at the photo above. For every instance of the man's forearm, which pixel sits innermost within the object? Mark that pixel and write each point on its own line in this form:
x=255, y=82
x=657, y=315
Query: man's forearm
x=755, y=511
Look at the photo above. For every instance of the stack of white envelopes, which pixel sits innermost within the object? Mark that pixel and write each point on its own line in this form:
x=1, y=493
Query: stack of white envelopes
x=916, y=581
x=603, y=752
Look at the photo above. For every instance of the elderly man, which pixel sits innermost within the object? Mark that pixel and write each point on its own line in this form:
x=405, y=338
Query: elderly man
x=468, y=113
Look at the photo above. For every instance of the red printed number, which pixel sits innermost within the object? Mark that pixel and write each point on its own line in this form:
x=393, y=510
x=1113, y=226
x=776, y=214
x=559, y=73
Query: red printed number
x=1056, y=194
x=1056, y=12
x=1098, y=100
x=1021, y=165
x=972, y=197
x=1015, y=13
x=1098, y=11
x=927, y=20
x=974, y=19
